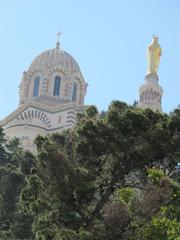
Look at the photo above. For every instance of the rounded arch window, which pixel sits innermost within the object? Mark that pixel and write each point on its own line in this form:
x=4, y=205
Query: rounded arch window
x=36, y=86
x=74, y=91
x=57, y=86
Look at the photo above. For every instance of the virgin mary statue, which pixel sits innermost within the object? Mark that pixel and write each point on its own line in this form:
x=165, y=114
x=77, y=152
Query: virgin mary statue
x=154, y=53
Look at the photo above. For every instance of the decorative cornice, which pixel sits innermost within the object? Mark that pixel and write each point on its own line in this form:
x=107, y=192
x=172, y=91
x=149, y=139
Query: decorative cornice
x=42, y=128
x=42, y=107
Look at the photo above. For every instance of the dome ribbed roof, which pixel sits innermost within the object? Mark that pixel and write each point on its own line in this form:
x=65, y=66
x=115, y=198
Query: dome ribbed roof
x=54, y=57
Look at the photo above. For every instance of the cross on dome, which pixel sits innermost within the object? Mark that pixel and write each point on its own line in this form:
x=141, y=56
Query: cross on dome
x=58, y=35
x=58, y=43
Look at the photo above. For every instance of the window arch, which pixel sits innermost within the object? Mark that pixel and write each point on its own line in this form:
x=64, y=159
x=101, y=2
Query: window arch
x=36, y=86
x=57, y=86
x=74, y=92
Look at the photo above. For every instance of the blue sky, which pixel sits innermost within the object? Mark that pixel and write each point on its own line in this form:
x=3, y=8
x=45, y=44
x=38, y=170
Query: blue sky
x=108, y=38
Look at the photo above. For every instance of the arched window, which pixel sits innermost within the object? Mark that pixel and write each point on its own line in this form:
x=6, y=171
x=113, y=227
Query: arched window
x=36, y=86
x=57, y=85
x=74, y=92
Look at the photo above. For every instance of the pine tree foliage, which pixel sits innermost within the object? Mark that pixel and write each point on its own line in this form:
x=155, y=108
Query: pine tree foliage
x=111, y=177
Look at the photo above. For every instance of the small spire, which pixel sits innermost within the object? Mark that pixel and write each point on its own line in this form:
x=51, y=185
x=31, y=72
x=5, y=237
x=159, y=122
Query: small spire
x=58, y=43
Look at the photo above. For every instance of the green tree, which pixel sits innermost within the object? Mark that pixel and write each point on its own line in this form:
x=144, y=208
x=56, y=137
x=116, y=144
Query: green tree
x=108, y=178
x=3, y=153
x=79, y=171
x=14, y=170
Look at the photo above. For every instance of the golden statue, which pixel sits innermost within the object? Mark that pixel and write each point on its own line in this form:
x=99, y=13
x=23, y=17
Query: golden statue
x=154, y=53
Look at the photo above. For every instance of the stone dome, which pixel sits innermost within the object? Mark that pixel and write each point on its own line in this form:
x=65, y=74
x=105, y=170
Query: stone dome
x=53, y=76
x=53, y=57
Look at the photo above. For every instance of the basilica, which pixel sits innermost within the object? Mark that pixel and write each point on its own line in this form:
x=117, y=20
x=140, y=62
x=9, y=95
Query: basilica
x=53, y=89
x=51, y=93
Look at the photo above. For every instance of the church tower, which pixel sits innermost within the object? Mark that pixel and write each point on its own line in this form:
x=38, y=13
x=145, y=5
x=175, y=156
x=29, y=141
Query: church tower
x=51, y=93
x=150, y=92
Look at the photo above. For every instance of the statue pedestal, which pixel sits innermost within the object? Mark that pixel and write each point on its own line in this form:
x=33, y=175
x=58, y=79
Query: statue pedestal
x=151, y=93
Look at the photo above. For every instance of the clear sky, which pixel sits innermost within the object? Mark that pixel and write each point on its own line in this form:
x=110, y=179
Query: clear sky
x=108, y=38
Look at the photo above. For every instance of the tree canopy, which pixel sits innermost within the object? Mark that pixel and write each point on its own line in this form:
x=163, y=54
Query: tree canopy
x=111, y=177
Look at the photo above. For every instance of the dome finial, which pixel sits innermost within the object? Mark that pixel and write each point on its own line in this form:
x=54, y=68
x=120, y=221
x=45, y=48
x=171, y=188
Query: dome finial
x=58, y=43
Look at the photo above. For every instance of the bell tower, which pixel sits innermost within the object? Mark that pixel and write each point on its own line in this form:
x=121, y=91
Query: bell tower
x=150, y=92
